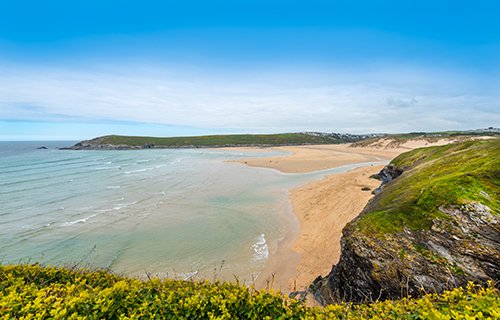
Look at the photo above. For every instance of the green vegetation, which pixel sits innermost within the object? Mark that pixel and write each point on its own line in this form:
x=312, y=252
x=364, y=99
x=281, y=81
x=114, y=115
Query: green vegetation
x=451, y=175
x=225, y=140
x=36, y=292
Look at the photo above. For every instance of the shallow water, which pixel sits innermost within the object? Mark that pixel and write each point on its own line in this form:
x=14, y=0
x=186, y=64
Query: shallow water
x=180, y=213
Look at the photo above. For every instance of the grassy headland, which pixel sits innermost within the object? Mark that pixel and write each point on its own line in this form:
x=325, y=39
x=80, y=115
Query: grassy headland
x=269, y=140
x=433, y=178
x=432, y=228
x=281, y=139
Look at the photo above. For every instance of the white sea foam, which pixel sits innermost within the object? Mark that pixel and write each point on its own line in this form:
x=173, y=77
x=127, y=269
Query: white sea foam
x=136, y=171
x=260, y=249
x=103, y=168
x=120, y=206
x=113, y=187
x=117, y=207
x=83, y=220
x=187, y=275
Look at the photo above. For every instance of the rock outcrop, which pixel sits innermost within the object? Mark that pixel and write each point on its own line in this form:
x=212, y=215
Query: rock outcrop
x=464, y=248
x=433, y=227
x=386, y=175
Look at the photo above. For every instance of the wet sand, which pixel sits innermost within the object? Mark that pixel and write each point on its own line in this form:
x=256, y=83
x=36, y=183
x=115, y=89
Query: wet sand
x=320, y=157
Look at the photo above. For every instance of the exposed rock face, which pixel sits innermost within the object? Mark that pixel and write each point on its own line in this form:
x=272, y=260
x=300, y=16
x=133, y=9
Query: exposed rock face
x=386, y=175
x=459, y=242
x=464, y=248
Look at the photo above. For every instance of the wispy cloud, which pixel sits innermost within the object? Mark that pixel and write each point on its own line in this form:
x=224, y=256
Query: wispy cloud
x=384, y=99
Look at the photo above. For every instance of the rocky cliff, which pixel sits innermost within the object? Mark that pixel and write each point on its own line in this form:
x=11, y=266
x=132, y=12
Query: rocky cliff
x=434, y=226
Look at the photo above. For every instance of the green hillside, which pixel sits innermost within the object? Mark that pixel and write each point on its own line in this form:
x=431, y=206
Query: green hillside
x=36, y=292
x=221, y=140
x=450, y=175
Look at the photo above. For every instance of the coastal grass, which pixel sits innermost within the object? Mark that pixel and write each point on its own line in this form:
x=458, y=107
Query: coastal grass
x=224, y=140
x=433, y=178
x=41, y=292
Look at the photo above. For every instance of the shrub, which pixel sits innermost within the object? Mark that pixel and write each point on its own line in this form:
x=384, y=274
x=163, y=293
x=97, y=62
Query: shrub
x=38, y=292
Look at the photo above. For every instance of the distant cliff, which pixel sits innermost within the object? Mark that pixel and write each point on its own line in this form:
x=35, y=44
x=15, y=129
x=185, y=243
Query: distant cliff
x=434, y=226
x=114, y=142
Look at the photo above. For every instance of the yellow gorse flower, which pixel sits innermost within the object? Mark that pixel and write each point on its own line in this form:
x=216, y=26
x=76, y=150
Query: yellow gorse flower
x=36, y=292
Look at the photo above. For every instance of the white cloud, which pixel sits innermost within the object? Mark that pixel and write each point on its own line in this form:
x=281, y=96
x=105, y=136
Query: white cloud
x=388, y=100
x=401, y=102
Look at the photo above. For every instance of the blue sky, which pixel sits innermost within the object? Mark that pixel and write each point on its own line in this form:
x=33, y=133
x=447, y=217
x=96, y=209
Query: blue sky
x=78, y=69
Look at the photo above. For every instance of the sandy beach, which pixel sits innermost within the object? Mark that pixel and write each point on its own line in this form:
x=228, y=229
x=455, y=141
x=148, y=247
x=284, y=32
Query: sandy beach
x=319, y=157
x=322, y=208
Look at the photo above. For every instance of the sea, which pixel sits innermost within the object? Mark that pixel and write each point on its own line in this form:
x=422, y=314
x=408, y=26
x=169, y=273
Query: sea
x=178, y=213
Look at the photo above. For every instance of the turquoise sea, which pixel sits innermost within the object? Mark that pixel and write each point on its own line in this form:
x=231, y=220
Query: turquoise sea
x=179, y=213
